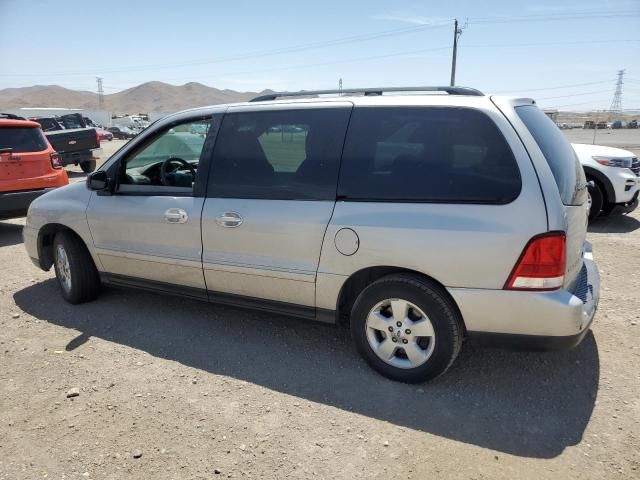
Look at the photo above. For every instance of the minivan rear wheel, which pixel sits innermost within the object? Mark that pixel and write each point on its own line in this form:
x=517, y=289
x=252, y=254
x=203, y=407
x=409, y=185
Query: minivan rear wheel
x=75, y=271
x=406, y=328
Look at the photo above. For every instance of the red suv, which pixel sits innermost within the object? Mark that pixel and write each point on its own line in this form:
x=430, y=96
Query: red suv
x=29, y=166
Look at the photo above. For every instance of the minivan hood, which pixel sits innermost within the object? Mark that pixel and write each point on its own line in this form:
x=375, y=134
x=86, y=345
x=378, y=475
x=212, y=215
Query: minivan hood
x=600, y=150
x=73, y=193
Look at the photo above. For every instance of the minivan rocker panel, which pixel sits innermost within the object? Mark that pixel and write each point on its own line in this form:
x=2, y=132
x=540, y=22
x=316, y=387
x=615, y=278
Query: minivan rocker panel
x=419, y=219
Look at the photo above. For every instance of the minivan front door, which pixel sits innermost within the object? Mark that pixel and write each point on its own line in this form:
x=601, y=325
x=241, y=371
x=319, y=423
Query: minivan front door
x=270, y=197
x=148, y=232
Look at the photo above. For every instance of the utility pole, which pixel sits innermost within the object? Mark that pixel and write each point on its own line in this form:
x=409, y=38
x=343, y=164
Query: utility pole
x=100, y=93
x=456, y=34
x=340, y=87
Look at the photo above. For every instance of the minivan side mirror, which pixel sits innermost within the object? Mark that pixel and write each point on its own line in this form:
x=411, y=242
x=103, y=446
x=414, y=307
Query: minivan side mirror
x=98, y=181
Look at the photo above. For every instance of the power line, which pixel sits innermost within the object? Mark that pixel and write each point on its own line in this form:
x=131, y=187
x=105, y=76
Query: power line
x=398, y=54
x=574, y=95
x=599, y=82
x=350, y=39
x=409, y=52
x=321, y=64
x=263, y=53
x=591, y=103
x=536, y=44
x=310, y=65
x=575, y=104
x=549, y=17
x=350, y=60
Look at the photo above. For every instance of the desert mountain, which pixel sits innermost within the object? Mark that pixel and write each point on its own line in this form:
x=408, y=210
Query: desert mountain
x=147, y=97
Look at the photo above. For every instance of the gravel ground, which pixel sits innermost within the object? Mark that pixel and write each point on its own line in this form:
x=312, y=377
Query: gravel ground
x=628, y=139
x=137, y=385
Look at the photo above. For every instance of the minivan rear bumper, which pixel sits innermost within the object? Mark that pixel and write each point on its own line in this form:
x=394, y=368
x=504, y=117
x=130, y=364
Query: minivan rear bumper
x=526, y=342
x=540, y=320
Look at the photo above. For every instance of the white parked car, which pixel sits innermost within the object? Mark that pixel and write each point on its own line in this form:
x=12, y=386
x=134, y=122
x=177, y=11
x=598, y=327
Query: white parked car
x=615, y=174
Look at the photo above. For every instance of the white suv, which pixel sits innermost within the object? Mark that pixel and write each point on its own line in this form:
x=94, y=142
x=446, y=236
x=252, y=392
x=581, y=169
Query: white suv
x=420, y=219
x=615, y=174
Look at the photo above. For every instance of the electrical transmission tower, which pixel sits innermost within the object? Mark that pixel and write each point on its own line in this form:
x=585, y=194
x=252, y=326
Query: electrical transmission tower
x=100, y=93
x=616, y=103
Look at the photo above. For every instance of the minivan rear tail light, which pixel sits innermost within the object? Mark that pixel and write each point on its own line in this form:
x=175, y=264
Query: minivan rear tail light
x=56, y=162
x=541, y=265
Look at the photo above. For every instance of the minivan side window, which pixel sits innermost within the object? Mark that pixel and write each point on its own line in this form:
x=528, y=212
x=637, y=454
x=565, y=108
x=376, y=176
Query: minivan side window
x=279, y=155
x=169, y=161
x=561, y=157
x=427, y=154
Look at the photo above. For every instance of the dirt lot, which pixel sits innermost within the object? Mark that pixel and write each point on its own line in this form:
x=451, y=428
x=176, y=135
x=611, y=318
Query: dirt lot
x=204, y=391
x=628, y=139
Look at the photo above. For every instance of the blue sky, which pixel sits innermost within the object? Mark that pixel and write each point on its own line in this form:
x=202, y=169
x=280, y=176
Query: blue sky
x=538, y=49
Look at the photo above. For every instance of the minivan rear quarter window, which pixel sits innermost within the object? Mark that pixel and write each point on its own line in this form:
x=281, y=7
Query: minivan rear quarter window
x=558, y=152
x=23, y=139
x=427, y=154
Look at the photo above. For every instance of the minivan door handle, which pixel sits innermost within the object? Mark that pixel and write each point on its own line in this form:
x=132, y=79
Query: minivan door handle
x=176, y=215
x=229, y=219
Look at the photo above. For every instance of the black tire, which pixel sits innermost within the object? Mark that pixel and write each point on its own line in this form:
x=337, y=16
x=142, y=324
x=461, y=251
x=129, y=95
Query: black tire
x=597, y=201
x=607, y=209
x=85, y=282
x=88, y=166
x=433, y=301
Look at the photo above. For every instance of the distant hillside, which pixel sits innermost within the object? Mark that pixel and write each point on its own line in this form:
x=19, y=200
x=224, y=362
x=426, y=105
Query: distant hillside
x=147, y=97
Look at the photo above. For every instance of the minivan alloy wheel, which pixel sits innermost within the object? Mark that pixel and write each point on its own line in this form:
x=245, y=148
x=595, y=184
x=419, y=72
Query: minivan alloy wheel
x=400, y=333
x=64, y=269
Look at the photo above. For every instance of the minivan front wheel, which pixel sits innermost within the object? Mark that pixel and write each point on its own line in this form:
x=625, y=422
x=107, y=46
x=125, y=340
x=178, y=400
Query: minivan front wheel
x=406, y=328
x=75, y=271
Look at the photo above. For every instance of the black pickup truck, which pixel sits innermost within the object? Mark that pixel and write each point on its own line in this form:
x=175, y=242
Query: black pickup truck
x=70, y=137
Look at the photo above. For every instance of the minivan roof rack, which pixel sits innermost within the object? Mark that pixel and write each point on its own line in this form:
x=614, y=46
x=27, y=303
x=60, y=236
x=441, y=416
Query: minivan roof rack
x=369, y=91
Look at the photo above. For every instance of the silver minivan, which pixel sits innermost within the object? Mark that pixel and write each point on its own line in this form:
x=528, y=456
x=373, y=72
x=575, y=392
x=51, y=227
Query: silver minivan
x=421, y=216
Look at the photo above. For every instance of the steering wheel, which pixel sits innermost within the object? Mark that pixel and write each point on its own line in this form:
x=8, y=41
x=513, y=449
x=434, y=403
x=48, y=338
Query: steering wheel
x=164, y=169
